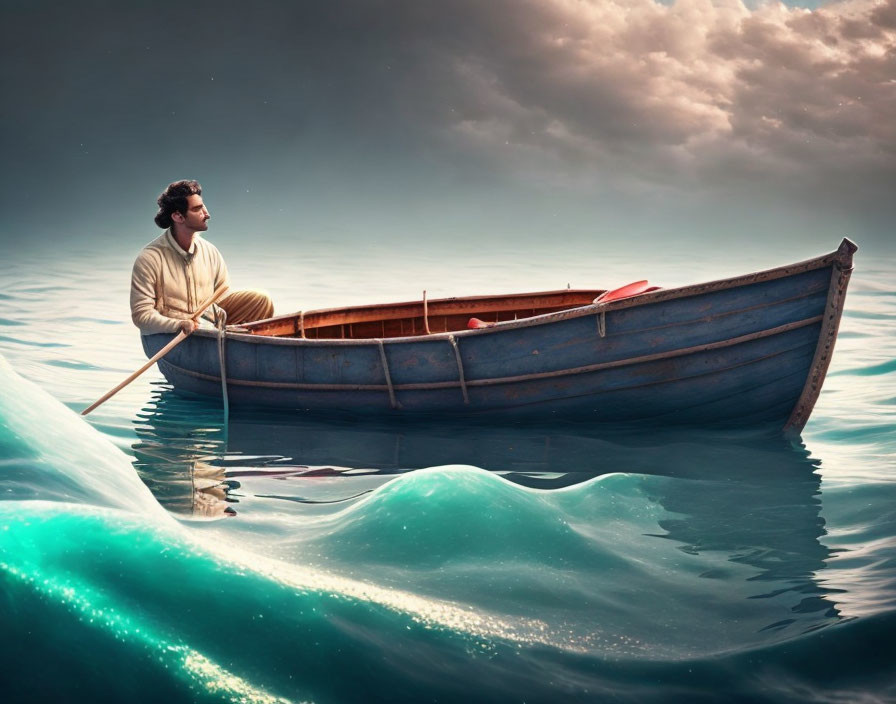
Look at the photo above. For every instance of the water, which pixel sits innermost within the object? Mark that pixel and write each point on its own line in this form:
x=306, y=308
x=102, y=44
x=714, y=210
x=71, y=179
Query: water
x=151, y=553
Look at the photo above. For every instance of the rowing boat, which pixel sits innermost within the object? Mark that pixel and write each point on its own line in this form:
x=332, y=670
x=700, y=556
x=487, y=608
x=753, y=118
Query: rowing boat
x=747, y=350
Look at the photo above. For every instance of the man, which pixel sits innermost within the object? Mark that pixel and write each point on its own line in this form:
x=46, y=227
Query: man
x=179, y=270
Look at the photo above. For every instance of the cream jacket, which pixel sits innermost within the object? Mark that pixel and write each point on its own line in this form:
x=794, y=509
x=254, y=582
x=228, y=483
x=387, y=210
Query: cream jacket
x=168, y=284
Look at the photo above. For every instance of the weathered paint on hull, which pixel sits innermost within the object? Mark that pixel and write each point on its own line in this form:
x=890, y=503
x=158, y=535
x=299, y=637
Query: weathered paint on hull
x=734, y=351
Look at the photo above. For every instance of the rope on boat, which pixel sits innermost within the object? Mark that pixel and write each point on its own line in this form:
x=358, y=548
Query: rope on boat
x=302, y=324
x=220, y=324
x=460, y=369
x=388, y=376
x=571, y=371
x=425, y=313
x=602, y=324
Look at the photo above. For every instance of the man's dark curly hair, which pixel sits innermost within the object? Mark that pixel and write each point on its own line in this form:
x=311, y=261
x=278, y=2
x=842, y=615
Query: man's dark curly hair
x=174, y=200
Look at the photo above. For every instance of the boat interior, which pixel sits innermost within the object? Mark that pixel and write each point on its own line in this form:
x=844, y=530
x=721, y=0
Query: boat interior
x=421, y=317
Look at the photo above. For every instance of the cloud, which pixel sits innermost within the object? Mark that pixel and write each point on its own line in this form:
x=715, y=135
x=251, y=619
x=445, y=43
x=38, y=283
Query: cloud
x=610, y=105
x=700, y=93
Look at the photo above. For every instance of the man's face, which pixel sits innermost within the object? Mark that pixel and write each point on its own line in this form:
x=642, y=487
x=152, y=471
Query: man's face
x=196, y=218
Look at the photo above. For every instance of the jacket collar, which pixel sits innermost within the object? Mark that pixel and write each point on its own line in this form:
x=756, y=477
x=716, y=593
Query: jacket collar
x=171, y=242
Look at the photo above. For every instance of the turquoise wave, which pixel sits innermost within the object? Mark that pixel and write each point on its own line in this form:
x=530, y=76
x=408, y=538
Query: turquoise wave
x=449, y=583
x=108, y=595
x=51, y=454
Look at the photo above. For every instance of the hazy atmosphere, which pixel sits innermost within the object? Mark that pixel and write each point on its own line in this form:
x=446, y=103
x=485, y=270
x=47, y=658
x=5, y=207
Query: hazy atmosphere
x=409, y=122
x=522, y=495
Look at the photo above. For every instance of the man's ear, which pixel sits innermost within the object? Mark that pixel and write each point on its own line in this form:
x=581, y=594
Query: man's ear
x=177, y=217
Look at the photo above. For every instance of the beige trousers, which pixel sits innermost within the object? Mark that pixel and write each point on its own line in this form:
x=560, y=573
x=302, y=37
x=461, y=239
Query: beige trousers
x=247, y=305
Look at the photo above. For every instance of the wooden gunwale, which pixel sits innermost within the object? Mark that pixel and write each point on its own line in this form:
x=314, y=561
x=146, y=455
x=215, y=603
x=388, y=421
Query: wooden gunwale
x=721, y=344
x=780, y=272
x=432, y=308
x=718, y=316
x=592, y=309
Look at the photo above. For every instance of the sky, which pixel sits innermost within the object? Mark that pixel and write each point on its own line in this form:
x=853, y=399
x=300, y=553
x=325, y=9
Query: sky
x=695, y=123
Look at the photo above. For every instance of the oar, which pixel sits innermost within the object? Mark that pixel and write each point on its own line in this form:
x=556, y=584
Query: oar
x=181, y=336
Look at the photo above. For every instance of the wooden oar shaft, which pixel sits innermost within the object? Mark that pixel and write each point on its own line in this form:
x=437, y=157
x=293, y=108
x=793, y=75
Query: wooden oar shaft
x=181, y=336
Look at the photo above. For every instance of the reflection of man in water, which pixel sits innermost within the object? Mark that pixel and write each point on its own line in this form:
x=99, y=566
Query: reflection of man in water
x=179, y=270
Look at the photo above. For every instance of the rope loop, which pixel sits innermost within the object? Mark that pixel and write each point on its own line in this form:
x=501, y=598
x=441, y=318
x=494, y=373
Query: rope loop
x=426, y=314
x=221, y=324
x=460, y=369
x=392, y=399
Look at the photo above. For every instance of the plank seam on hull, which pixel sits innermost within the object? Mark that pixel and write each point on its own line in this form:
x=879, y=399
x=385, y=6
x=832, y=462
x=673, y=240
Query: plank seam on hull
x=729, y=396
x=721, y=370
x=511, y=379
x=659, y=382
x=651, y=357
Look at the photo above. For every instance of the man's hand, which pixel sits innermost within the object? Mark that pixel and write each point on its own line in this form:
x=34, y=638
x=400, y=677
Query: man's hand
x=188, y=326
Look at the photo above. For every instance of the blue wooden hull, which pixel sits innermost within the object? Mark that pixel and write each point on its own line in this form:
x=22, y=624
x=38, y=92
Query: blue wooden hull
x=748, y=350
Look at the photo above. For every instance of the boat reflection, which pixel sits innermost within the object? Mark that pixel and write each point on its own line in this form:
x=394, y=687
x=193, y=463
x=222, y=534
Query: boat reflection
x=752, y=496
x=178, y=456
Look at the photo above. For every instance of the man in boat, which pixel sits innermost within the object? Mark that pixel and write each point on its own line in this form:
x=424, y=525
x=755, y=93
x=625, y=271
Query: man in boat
x=180, y=269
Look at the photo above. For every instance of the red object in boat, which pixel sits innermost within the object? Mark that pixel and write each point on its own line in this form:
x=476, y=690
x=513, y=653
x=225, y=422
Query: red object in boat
x=476, y=324
x=633, y=289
